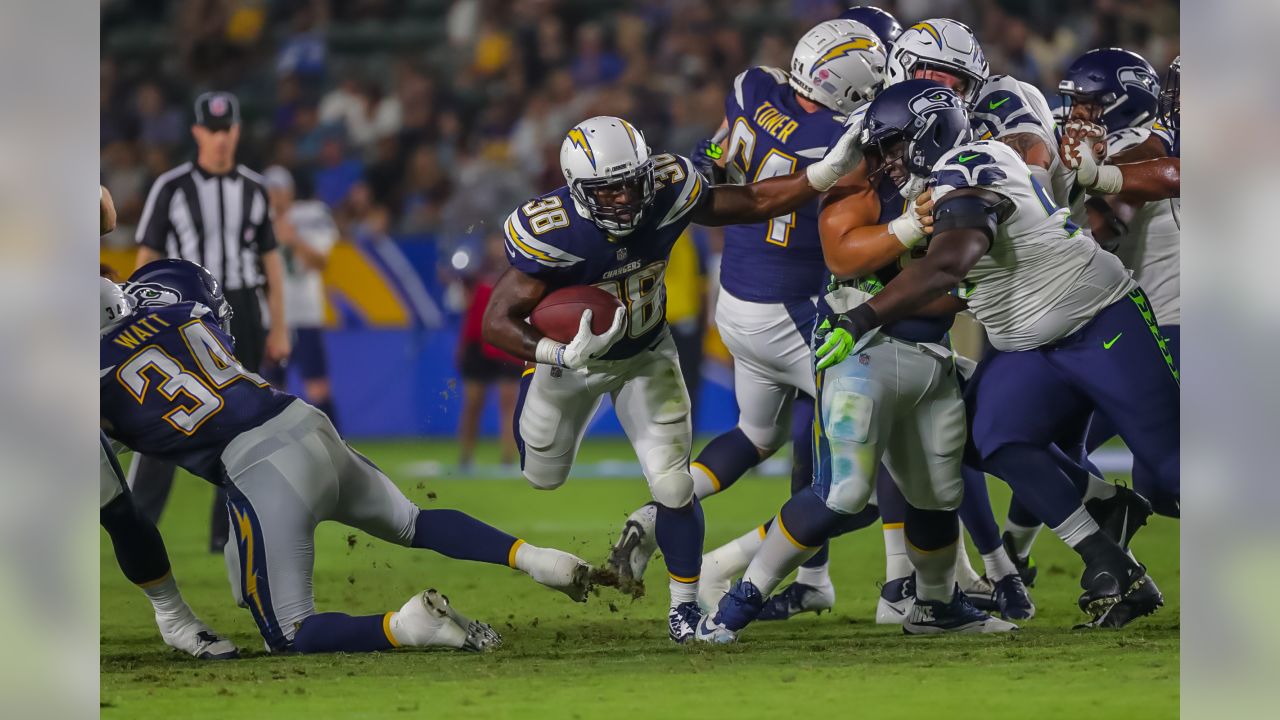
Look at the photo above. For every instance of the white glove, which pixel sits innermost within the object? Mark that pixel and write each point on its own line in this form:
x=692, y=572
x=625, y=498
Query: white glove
x=839, y=161
x=1078, y=154
x=916, y=223
x=585, y=346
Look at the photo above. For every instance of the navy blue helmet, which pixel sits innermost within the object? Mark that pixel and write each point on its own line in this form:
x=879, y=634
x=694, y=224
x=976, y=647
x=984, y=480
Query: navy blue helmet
x=1121, y=82
x=170, y=281
x=885, y=26
x=1171, y=94
x=928, y=118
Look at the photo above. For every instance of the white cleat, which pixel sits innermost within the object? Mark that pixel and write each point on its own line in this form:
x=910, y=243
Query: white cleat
x=934, y=617
x=197, y=640
x=980, y=591
x=561, y=571
x=895, y=601
x=710, y=631
x=713, y=583
x=428, y=620
x=630, y=555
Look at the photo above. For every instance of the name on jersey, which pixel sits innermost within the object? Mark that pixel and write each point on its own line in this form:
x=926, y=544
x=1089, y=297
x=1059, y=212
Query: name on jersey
x=774, y=122
x=141, y=329
x=634, y=264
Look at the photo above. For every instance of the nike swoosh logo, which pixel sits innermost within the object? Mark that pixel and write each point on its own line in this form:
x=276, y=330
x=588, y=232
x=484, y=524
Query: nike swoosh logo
x=1124, y=529
x=1106, y=344
x=993, y=105
x=967, y=158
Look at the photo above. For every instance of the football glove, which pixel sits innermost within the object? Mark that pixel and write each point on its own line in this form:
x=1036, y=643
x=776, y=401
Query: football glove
x=585, y=346
x=839, y=161
x=704, y=158
x=837, y=334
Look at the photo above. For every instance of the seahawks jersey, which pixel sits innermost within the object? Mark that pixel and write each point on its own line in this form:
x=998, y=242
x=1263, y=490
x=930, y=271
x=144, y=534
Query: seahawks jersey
x=550, y=239
x=172, y=390
x=1041, y=279
x=1007, y=106
x=780, y=260
x=1150, y=247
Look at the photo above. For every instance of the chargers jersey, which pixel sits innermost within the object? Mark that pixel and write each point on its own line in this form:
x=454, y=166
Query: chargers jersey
x=778, y=261
x=1007, y=106
x=845, y=296
x=172, y=390
x=1151, y=246
x=1041, y=279
x=550, y=239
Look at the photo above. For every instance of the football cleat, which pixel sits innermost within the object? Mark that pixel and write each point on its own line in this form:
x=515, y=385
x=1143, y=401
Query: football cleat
x=429, y=620
x=198, y=640
x=1120, y=515
x=1027, y=569
x=981, y=593
x=1105, y=583
x=562, y=571
x=1012, y=599
x=797, y=598
x=713, y=583
x=737, y=609
x=635, y=546
x=895, y=601
x=1144, y=599
x=682, y=621
x=934, y=617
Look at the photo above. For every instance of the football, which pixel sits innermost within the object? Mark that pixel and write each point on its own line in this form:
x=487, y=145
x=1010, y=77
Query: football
x=560, y=312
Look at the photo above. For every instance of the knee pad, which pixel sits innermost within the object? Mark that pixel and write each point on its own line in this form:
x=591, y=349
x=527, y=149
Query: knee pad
x=673, y=490
x=936, y=498
x=545, y=478
x=767, y=440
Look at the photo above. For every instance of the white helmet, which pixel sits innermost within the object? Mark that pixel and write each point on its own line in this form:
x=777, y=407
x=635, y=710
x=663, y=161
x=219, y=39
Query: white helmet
x=113, y=305
x=607, y=166
x=940, y=44
x=838, y=64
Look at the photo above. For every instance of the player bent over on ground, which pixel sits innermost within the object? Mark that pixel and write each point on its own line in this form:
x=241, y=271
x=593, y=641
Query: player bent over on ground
x=613, y=226
x=172, y=389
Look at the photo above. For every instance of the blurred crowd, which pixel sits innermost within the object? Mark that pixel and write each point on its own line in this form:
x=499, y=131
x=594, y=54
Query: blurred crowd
x=433, y=118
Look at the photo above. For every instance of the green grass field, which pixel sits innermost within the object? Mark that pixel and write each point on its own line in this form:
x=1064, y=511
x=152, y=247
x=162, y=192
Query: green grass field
x=611, y=655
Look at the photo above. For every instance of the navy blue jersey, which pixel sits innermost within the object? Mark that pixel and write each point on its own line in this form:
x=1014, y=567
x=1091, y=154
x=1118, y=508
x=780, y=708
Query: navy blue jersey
x=547, y=238
x=172, y=390
x=769, y=135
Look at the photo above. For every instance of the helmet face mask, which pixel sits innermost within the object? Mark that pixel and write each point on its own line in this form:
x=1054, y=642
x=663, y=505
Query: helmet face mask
x=1170, y=100
x=617, y=203
x=909, y=127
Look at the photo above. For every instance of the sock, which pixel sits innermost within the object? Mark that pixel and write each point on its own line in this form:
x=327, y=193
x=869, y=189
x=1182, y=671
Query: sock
x=965, y=574
x=725, y=459
x=1022, y=537
x=455, y=534
x=1098, y=489
x=1037, y=481
x=975, y=511
x=166, y=599
x=338, y=632
x=1078, y=526
x=801, y=527
x=932, y=541
x=680, y=534
x=997, y=564
x=730, y=559
x=139, y=549
x=682, y=592
x=815, y=575
x=896, y=563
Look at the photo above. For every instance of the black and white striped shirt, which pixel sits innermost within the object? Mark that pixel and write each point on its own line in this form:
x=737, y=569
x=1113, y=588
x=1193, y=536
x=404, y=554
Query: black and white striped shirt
x=222, y=222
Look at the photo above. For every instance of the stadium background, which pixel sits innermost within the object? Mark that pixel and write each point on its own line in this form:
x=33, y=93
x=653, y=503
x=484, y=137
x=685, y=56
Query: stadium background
x=421, y=123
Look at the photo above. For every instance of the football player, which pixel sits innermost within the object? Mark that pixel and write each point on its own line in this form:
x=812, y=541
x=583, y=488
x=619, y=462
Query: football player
x=172, y=389
x=138, y=546
x=612, y=225
x=1072, y=330
x=770, y=276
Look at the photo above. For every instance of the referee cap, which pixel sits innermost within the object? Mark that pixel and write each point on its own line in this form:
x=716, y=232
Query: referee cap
x=217, y=110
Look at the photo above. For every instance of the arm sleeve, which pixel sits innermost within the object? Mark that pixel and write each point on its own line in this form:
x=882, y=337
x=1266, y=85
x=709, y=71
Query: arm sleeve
x=153, y=226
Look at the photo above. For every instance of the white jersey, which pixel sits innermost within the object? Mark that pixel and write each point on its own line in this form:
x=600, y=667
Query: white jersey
x=303, y=286
x=1041, y=279
x=1007, y=106
x=1151, y=246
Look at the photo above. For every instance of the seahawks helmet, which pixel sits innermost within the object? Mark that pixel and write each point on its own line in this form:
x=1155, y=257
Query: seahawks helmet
x=171, y=281
x=1121, y=82
x=911, y=125
x=885, y=26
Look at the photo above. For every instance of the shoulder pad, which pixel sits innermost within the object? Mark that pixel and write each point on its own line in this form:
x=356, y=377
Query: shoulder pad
x=531, y=232
x=1004, y=108
x=679, y=185
x=742, y=85
x=983, y=164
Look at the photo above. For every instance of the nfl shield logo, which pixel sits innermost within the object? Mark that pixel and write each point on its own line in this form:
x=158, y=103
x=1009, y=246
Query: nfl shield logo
x=218, y=105
x=622, y=254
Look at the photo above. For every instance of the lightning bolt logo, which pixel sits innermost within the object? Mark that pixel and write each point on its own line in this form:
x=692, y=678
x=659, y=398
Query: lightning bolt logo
x=929, y=28
x=843, y=49
x=579, y=140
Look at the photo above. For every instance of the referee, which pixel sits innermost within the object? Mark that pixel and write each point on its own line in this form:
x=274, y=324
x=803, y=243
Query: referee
x=215, y=213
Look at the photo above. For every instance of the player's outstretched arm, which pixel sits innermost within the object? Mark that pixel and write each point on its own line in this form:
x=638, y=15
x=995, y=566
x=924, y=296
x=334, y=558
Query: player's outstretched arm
x=514, y=298
x=853, y=243
x=1151, y=180
x=952, y=253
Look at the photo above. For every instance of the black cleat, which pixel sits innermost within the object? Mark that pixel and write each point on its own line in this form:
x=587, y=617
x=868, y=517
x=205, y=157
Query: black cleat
x=1027, y=569
x=1106, y=583
x=1121, y=515
x=1012, y=599
x=1144, y=599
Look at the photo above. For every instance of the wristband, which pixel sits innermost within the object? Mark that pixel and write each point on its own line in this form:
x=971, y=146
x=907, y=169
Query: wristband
x=1109, y=180
x=821, y=177
x=907, y=229
x=549, y=352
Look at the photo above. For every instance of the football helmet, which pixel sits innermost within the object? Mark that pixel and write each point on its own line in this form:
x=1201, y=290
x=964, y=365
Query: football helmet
x=113, y=305
x=944, y=45
x=1171, y=94
x=911, y=125
x=838, y=64
x=885, y=26
x=1121, y=82
x=609, y=170
x=170, y=281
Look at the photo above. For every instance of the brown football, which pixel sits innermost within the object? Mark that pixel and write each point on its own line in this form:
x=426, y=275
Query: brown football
x=560, y=312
